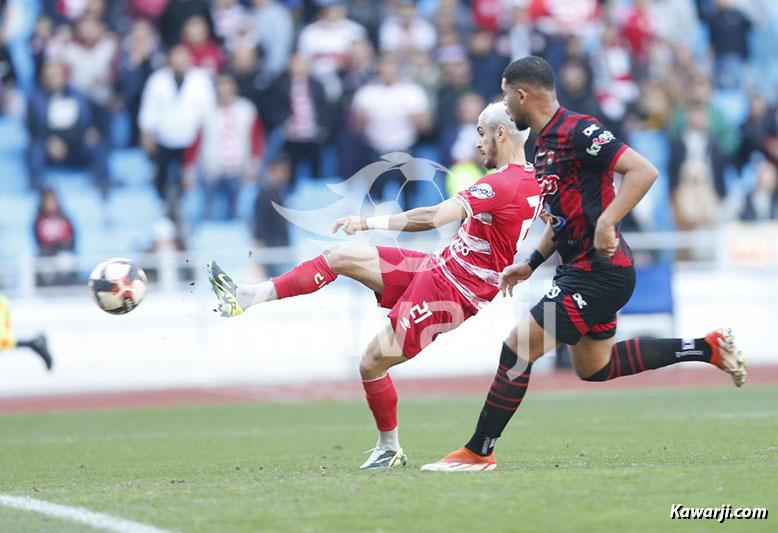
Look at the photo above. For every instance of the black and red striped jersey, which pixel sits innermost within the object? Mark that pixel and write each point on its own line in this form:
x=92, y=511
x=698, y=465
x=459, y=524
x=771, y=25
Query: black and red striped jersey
x=574, y=160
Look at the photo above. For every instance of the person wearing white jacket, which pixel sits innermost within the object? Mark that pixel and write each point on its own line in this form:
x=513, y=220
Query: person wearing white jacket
x=174, y=102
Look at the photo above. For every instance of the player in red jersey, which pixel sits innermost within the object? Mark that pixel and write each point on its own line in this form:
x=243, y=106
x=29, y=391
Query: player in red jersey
x=575, y=160
x=428, y=294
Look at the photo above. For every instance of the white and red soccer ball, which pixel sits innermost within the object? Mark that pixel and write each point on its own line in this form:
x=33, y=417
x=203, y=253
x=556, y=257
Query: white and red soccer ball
x=118, y=285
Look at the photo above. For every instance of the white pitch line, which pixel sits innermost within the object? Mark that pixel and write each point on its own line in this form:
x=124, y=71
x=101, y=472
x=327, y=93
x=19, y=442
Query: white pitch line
x=77, y=514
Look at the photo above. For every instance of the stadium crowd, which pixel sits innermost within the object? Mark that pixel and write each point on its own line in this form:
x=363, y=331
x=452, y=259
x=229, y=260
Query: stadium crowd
x=227, y=93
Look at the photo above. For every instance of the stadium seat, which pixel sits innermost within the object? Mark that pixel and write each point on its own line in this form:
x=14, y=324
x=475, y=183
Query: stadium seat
x=232, y=235
x=13, y=169
x=733, y=103
x=653, y=291
x=130, y=166
x=14, y=136
x=63, y=177
x=139, y=205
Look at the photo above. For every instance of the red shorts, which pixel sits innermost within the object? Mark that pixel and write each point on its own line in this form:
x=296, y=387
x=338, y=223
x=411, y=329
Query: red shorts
x=423, y=302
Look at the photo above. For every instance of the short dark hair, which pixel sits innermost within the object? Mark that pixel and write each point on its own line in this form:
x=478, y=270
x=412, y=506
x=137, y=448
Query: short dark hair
x=530, y=70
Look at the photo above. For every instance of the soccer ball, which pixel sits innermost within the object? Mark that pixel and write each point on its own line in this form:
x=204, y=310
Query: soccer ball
x=118, y=285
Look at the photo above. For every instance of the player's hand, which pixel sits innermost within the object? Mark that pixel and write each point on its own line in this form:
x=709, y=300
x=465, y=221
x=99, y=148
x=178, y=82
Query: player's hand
x=350, y=224
x=605, y=241
x=513, y=275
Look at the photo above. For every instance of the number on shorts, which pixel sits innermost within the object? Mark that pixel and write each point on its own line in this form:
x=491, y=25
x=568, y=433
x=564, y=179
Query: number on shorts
x=419, y=313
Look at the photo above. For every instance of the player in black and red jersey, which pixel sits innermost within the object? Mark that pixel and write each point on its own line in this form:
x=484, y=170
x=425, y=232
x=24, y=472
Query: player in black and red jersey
x=575, y=160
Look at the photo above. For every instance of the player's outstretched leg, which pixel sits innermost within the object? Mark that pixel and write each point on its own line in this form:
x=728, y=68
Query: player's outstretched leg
x=360, y=263
x=504, y=398
x=40, y=346
x=637, y=355
x=383, y=353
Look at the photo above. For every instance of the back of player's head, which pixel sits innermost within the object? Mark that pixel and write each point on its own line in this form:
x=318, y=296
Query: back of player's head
x=532, y=71
x=496, y=114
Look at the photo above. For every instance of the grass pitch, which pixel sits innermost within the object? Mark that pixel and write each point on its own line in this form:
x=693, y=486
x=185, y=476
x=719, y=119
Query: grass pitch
x=570, y=462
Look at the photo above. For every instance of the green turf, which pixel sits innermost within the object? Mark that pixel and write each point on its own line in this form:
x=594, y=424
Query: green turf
x=574, y=462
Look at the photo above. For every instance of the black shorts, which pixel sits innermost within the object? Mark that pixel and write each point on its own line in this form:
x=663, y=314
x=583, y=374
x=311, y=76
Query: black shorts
x=584, y=303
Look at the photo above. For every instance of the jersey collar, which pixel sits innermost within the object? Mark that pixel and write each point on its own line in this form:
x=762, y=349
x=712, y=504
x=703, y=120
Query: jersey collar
x=552, y=121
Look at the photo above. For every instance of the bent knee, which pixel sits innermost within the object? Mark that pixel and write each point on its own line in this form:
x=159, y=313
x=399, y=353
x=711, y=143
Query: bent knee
x=370, y=366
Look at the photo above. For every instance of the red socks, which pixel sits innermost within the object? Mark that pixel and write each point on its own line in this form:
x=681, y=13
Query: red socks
x=305, y=278
x=382, y=399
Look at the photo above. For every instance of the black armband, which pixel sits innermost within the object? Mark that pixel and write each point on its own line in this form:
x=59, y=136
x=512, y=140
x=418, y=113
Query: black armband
x=535, y=259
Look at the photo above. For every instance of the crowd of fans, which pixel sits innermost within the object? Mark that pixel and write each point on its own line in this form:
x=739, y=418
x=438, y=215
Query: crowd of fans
x=227, y=92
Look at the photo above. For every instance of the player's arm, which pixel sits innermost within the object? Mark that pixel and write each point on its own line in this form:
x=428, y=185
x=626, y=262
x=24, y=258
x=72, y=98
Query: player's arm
x=518, y=272
x=639, y=175
x=419, y=219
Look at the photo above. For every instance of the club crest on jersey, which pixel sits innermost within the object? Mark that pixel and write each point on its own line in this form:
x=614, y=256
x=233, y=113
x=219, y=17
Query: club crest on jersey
x=482, y=191
x=603, y=138
x=549, y=184
x=549, y=155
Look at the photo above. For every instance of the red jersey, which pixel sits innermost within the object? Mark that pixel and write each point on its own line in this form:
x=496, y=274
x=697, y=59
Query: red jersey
x=500, y=210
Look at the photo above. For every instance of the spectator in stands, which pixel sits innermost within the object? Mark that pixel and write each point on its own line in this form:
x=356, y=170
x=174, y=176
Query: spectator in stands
x=253, y=81
x=729, y=32
x=575, y=88
x=696, y=168
x=205, y=53
x=694, y=199
x=370, y=14
x=675, y=21
x=39, y=42
x=56, y=237
x=90, y=59
x=11, y=99
x=275, y=28
x=558, y=21
x=174, y=101
x=423, y=70
x=63, y=130
x=228, y=17
x=405, y=31
x=520, y=34
x=726, y=136
x=228, y=149
x=140, y=56
x=461, y=154
x=614, y=85
x=759, y=131
x=177, y=12
x=270, y=229
x=638, y=31
x=457, y=80
x=149, y=9
x=486, y=64
x=454, y=142
x=762, y=203
x=391, y=113
x=327, y=43
x=73, y=10
x=298, y=102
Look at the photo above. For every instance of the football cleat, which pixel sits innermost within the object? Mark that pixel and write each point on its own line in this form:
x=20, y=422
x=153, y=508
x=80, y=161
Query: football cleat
x=41, y=346
x=225, y=289
x=384, y=458
x=726, y=355
x=462, y=460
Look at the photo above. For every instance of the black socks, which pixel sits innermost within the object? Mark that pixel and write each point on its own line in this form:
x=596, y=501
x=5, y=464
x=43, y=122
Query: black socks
x=505, y=395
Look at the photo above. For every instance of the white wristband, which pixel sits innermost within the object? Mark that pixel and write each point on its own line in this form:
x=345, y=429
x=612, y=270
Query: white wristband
x=381, y=222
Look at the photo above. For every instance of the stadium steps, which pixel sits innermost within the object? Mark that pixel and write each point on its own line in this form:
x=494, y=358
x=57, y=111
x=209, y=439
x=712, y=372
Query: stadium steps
x=130, y=166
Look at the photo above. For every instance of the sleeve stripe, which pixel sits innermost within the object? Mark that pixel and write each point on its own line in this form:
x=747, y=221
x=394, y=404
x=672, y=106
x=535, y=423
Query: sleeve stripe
x=616, y=156
x=462, y=200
